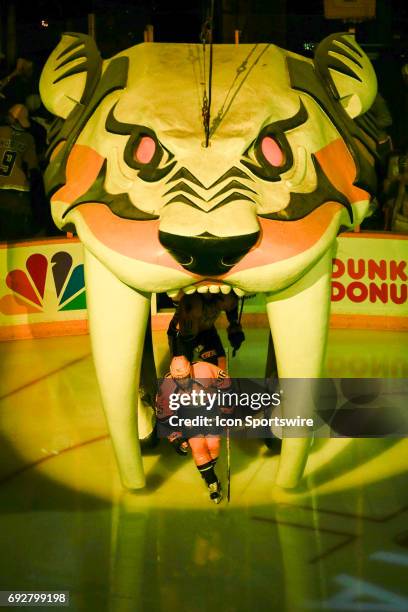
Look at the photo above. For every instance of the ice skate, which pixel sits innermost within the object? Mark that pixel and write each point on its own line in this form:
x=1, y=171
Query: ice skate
x=215, y=492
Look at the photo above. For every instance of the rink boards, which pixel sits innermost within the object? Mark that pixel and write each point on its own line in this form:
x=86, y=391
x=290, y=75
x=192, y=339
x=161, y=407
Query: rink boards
x=42, y=287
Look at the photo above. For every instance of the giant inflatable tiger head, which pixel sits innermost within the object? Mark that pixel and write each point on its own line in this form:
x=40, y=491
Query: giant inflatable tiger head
x=258, y=210
x=285, y=161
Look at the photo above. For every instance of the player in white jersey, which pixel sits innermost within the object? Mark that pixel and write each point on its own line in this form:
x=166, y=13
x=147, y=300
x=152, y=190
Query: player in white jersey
x=18, y=168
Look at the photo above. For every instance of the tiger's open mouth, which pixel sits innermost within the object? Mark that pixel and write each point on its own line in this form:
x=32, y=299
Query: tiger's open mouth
x=208, y=286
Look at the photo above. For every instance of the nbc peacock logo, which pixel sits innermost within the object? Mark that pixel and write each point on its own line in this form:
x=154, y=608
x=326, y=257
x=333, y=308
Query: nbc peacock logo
x=48, y=284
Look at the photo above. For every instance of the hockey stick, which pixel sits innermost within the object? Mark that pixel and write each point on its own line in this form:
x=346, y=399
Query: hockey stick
x=228, y=465
x=240, y=310
x=228, y=446
x=234, y=352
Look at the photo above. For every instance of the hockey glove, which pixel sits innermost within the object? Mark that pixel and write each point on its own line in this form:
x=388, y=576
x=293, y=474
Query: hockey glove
x=235, y=336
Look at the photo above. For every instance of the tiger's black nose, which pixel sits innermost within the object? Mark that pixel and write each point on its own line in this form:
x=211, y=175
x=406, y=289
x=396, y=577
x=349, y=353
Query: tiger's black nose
x=207, y=254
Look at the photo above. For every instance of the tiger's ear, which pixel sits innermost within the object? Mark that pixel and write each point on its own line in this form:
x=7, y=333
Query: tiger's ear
x=347, y=73
x=70, y=74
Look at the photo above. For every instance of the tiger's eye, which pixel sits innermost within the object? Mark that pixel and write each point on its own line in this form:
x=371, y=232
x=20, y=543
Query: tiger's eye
x=272, y=152
x=145, y=150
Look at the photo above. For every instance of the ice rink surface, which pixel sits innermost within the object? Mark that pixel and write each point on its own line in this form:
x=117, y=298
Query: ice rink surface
x=337, y=542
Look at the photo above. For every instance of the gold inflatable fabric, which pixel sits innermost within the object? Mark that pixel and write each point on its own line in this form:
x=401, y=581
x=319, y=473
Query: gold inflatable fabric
x=288, y=166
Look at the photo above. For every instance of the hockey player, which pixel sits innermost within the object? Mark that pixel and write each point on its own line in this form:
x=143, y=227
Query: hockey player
x=183, y=378
x=18, y=172
x=193, y=327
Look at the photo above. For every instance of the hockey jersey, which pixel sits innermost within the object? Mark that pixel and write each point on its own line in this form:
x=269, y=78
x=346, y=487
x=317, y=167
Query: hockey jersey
x=204, y=374
x=17, y=158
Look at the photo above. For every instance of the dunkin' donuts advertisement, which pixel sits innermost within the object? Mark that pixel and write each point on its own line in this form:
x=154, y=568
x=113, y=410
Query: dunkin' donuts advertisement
x=370, y=274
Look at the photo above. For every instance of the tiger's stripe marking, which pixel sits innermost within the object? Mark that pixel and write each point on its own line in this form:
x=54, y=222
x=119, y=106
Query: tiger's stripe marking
x=339, y=167
x=82, y=169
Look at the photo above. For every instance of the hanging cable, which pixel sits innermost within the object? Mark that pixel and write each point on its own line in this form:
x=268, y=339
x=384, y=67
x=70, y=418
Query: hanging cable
x=207, y=38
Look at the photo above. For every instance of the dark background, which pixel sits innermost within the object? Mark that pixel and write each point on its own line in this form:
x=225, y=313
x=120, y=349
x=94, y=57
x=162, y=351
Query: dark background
x=38, y=24
x=290, y=23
